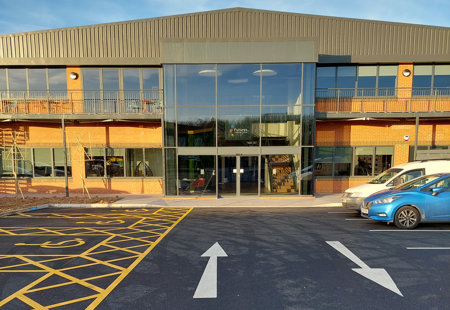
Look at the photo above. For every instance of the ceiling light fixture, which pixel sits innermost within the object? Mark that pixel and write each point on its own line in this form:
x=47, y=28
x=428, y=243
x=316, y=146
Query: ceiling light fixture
x=265, y=72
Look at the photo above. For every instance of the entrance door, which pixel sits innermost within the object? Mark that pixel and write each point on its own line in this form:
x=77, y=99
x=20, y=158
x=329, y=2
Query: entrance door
x=238, y=175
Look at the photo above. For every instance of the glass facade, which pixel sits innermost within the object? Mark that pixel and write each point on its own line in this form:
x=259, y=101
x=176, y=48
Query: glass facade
x=246, y=120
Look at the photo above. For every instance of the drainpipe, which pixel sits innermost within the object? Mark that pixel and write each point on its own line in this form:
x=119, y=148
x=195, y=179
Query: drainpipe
x=66, y=178
x=417, y=138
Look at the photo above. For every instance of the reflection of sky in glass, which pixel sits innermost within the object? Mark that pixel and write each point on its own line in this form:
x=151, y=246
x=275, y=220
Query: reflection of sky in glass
x=37, y=79
x=284, y=86
x=17, y=79
x=110, y=79
x=195, y=85
x=150, y=78
x=238, y=113
x=2, y=79
x=91, y=79
x=57, y=79
x=131, y=79
x=238, y=85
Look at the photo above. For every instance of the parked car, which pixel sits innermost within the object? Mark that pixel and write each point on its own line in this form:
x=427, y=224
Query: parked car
x=354, y=196
x=424, y=199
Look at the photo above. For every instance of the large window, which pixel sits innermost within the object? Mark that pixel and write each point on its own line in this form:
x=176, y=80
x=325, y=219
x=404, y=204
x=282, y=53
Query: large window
x=431, y=80
x=353, y=161
x=34, y=162
x=350, y=81
x=123, y=162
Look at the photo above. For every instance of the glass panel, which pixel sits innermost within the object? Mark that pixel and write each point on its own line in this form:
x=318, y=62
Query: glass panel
x=150, y=79
x=95, y=162
x=115, y=162
x=58, y=159
x=442, y=80
x=422, y=80
x=110, y=90
x=238, y=85
x=131, y=79
x=196, y=126
x=238, y=126
x=279, y=174
x=197, y=175
x=346, y=78
x=91, y=87
x=23, y=166
x=43, y=163
x=2, y=80
x=308, y=83
x=153, y=163
x=248, y=175
x=281, y=84
x=326, y=82
x=169, y=103
x=227, y=175
x=367, y=80
x=308, y=125
x=135, y=163
x=363, y=160
x=306, y=176
x=57, y=79
x=171, y=172
x=196, y=85
x=342, y=161
x=37, y=82
x=280, y=126
x=323, y=161
x=383, y=158
x=17, y=82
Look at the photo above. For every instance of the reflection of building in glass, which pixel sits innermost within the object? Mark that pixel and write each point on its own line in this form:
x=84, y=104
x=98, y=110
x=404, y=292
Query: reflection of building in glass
x=229, y=102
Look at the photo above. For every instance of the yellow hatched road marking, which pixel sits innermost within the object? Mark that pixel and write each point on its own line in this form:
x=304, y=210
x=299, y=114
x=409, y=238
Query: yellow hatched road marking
x=132, y=266
x=155, y=226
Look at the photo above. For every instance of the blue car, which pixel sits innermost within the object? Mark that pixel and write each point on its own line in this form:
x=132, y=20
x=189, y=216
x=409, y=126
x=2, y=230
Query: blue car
x=424, y=199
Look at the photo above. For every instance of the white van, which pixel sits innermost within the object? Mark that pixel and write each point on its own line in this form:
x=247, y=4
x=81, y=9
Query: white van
x=354, y=196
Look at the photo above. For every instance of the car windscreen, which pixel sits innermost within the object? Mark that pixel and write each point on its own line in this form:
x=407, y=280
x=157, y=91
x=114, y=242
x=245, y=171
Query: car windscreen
x=416, y=183
x=385, y=176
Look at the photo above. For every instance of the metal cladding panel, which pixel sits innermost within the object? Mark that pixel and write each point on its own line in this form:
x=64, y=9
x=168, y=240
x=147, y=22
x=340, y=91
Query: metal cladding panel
x=138, y=42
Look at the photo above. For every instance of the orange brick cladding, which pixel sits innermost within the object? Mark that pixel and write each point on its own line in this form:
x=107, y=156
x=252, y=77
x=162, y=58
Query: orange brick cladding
x=376, y=133
x=79, y=136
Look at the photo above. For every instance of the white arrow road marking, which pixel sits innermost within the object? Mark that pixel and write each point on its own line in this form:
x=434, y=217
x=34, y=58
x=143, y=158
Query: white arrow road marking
x=377, y=275
x=207, y=287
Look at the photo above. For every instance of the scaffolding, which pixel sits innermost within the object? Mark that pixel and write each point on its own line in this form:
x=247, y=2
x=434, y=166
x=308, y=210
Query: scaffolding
x=12, y=157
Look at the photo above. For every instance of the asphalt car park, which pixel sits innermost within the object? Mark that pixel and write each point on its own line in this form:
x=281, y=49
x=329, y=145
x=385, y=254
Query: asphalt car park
x=219, y=258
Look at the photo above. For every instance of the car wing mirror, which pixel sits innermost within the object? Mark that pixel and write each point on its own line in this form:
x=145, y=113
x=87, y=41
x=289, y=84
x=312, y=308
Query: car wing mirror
x=436, y=190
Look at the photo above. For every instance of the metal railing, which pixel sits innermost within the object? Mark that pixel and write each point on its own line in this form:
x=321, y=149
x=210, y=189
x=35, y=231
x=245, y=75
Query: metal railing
x=382, y=100
x=81, y=102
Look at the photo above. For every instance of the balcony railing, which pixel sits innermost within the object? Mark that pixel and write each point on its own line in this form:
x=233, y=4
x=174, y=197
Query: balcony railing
x=382, y=100
x=81, y=102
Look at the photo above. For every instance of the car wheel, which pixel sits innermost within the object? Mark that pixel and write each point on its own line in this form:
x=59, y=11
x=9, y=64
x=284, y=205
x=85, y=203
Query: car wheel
x=407, y=218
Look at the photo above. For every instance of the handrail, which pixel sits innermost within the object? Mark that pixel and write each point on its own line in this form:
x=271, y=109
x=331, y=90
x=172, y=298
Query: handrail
x=82, y=102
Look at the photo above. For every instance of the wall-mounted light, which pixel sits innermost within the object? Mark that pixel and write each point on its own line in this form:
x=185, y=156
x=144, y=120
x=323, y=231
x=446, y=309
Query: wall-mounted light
x=73, y=75
x=406, y=72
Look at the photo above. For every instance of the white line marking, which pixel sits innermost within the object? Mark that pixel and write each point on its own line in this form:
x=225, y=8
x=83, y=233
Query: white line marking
x=377, y=275
x=428, y=248
x=207, y=287
x=405, y=230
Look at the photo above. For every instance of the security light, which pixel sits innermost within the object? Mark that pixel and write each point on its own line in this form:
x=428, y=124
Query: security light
x=406, y=72
x=73, y=75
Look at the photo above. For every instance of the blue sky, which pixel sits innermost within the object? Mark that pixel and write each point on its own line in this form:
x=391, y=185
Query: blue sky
x=30, y=15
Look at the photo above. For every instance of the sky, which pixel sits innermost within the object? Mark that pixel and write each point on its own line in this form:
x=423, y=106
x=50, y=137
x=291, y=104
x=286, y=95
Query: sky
x=31, y=15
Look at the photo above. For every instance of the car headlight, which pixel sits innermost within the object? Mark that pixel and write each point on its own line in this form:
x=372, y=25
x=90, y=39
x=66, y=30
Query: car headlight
x=387, y=200
x=354, y=195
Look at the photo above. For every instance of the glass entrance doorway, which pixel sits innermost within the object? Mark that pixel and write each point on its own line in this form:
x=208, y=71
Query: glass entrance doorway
x=238, y=175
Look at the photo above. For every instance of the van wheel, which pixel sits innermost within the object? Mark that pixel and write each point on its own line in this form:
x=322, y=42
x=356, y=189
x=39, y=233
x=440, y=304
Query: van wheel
x=407, y=217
